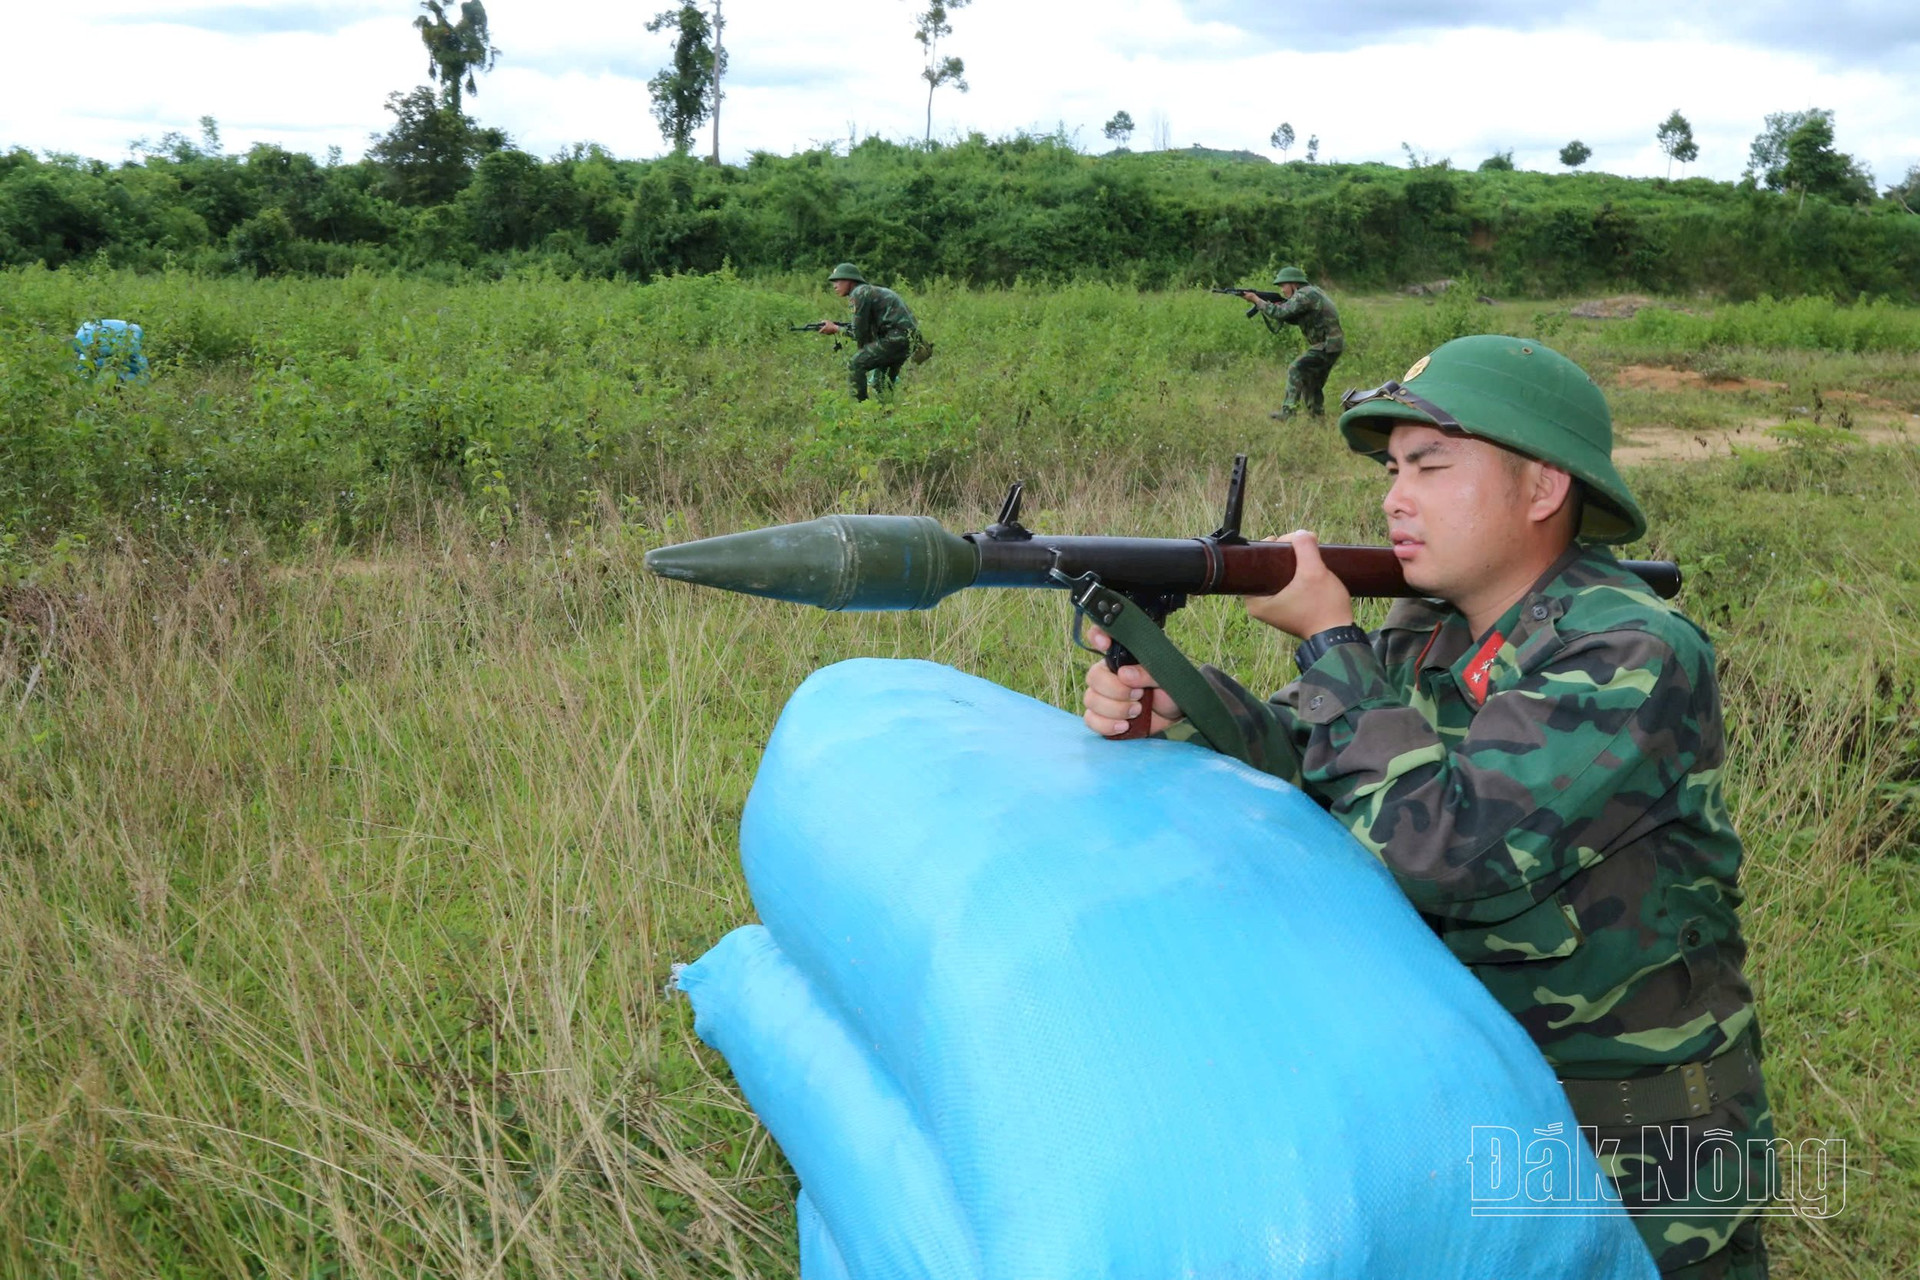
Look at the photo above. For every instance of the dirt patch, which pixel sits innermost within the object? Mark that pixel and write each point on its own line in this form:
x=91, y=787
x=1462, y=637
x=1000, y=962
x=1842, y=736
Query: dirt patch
x=1685, y=444
x=1650, y=377
x=1617, y=308
x=1872, y=404
x=1847, y=415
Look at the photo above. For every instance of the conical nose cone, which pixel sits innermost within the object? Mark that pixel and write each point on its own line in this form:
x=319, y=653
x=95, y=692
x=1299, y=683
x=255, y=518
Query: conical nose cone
x=835, y=562
x=799, y=563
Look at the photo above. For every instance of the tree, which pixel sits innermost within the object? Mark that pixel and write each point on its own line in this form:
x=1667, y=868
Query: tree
x=455, y=50
x=1675, y=136
x=928, y=28
x=508, y=204
x=719, y=72
x=1814, y=167
x=1575, y=154
x=683, y=92
x=428, y=154
x=1119, y=129
x=1162, y=127
x=1313, y=149
x=1795, y=152
x=1767, y=157
x=1906, y=192
x=263, y=243
x=1498, y=162
x=1282, y=139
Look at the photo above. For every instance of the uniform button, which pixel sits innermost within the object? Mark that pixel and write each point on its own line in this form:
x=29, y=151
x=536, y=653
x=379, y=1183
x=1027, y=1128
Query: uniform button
x=1693, y=937
x=1314, y=703
x=1539, y=612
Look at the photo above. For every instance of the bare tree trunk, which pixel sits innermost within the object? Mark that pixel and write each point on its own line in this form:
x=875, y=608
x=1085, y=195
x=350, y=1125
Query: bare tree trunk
x=719, y=54
x=930, y=88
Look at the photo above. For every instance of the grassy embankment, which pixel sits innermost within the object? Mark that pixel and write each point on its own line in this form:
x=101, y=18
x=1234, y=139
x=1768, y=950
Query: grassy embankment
x=358, y=791
x=985, y=212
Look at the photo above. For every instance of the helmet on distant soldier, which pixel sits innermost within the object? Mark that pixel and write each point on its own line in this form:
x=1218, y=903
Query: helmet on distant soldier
x=1290, y=275
x=1517, y=393
x=847, y=271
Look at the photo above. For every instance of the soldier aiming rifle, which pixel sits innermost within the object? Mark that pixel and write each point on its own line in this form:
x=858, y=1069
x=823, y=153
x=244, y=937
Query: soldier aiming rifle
x=1299, y=303
x=884, y=331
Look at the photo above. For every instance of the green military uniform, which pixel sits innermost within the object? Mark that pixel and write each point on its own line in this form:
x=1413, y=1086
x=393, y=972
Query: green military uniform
x=1319, y=323
x=883, y=331
x=1549, y=796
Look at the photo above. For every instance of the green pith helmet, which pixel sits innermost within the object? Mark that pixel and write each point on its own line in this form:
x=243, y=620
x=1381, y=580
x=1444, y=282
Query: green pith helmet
x=1521, y=394
x=847, y=271
x=1290, y=275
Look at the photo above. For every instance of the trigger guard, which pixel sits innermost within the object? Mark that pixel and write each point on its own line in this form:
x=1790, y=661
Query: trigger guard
x=1078, y=634
x=1078, y=589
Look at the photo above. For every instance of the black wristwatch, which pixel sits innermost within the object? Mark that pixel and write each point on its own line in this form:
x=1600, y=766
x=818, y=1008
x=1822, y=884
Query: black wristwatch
x=1315, y=646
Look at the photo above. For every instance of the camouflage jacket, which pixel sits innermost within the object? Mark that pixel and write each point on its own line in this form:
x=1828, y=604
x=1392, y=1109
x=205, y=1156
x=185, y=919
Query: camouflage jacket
x=1549, y=798
x=879, y=315
x=1314, y=312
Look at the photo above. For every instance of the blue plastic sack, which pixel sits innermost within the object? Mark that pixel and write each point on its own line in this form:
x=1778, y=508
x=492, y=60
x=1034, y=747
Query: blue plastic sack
x=109, y=345
x=1028, y=1003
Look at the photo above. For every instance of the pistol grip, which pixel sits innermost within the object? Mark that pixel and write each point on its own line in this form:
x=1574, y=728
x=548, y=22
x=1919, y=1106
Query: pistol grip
x=1141, y=725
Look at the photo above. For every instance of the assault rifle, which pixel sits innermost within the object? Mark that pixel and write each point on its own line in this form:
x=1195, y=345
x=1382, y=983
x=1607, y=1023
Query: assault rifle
x=815, y=328
x=1265, y=295
x=1128, y=586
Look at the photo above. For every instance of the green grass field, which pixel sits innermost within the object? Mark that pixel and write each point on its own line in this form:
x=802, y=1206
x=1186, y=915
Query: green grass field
x=357, y=789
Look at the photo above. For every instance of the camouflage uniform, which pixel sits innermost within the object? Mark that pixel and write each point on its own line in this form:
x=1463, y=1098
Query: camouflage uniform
x=883, y=330
x=1319, y=323
x=1550, y=800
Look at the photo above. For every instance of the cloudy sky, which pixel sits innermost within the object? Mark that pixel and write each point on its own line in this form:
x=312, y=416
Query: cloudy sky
x=1460, y=80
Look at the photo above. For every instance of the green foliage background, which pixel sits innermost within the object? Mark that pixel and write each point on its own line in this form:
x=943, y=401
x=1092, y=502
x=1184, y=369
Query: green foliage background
x=978, y=211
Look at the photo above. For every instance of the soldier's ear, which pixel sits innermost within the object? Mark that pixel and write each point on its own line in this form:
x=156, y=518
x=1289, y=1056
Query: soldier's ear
x=1550, y=490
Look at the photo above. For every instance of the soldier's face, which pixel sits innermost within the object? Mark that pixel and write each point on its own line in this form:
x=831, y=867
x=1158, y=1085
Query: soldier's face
x=842, y=287
x=1287, y=290
x=1456, y=510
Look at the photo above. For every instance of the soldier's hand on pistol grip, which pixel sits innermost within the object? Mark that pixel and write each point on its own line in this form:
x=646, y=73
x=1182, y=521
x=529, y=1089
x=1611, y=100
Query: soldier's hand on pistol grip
x=1313, y=602
x=830, y=327
x=1251, y=296
x=1115, y=697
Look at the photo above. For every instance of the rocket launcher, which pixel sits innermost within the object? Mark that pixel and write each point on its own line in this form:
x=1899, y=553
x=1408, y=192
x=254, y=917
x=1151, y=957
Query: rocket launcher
x=1128, y=586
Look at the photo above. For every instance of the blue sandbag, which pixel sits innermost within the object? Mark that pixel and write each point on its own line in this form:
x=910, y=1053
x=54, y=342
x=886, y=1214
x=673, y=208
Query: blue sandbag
x=853, y=1138
x=819, y=1256
x=1026, y=1002
x=102, y=345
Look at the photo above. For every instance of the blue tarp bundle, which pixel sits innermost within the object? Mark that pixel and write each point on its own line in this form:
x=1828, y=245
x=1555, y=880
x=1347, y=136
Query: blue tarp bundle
x=101, y=345
x=1030, y=1004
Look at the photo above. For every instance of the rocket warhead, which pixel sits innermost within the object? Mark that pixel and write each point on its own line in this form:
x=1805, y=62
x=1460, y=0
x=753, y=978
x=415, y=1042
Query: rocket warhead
x=860, y=563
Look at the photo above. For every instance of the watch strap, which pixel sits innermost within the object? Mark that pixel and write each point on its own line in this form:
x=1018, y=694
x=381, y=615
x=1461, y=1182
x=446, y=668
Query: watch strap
x=1315, y=646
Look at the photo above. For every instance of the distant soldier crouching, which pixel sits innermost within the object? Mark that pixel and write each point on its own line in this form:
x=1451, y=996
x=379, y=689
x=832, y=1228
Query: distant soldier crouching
x=883, y=329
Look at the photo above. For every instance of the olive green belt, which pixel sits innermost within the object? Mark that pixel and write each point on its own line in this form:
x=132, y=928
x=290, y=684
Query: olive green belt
x=1685, y=1092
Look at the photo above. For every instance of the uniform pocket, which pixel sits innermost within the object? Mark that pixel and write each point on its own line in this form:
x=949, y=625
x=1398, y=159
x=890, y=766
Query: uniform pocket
x=1547, y=930
x=1698, y=912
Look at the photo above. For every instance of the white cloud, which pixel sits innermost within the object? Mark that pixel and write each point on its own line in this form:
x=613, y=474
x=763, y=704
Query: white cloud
x=107, y=73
